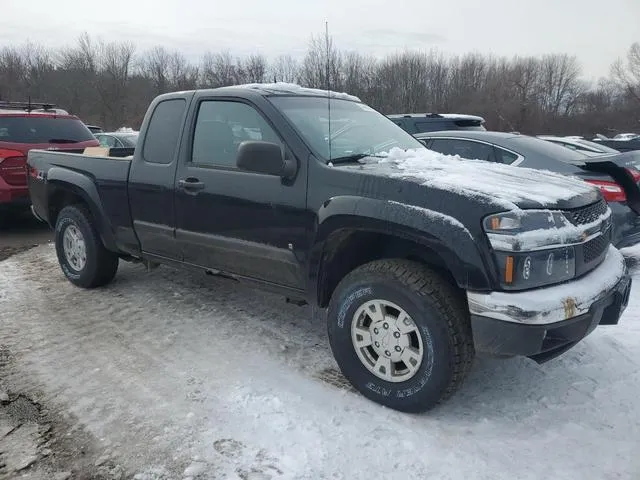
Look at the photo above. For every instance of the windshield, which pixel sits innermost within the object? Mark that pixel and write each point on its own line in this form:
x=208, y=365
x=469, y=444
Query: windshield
x=356, y=129
x=36, y=129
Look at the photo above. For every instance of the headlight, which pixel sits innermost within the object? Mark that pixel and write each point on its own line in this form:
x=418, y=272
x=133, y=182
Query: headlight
x=523, y=270
x=534, y=247
x=527, y=230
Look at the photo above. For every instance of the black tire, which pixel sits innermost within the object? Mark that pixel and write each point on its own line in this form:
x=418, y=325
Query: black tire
x=101, y=264
x=440, y=315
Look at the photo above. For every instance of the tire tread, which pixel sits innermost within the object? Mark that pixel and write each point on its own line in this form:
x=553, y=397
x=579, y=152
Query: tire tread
x=444, y=297
x=106, y=261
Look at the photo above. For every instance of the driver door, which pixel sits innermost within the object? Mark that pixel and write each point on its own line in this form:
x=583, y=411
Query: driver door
x=228, y=219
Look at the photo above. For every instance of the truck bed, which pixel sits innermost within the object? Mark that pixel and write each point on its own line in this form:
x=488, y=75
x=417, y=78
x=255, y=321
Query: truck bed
x=102, y=174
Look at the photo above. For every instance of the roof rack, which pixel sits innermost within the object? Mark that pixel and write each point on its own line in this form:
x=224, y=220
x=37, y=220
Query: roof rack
x=28, y=106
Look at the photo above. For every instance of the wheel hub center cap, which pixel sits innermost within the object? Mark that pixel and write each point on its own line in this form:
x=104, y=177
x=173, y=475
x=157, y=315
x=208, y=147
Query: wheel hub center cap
x=388, y=340
x=74, y=247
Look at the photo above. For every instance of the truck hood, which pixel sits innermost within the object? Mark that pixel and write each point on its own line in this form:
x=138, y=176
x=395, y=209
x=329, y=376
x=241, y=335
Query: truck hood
x=504, y=186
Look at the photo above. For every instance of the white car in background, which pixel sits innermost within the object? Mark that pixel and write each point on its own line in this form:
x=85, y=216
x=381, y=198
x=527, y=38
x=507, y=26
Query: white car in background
x=579, y=144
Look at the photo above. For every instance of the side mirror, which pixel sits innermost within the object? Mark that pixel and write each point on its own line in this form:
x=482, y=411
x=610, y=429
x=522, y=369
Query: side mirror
x=265, y=157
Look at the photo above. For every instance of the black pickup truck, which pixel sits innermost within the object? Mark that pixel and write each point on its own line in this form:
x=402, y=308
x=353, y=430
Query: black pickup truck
x=418, y=260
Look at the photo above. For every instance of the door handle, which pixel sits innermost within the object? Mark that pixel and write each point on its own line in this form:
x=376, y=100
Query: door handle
x=190, y=184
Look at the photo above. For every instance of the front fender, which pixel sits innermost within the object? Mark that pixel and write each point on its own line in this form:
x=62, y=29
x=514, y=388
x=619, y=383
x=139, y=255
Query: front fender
x=84, y=187
x=444, y=235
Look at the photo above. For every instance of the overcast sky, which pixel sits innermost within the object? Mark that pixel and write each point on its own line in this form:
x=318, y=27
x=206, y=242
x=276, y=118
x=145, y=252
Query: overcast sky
x=597, y=31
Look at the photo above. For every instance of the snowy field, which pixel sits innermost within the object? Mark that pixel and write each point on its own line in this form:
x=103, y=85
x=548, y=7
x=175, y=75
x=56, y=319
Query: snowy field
x=179, y=375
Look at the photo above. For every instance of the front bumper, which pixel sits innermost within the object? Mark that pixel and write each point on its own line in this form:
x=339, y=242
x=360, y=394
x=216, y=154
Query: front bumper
x=546, y=322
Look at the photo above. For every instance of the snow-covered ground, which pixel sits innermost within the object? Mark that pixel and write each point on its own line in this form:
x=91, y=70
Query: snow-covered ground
x=180, y=375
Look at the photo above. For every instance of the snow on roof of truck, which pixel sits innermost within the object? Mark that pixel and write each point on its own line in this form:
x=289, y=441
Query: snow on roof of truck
x=284, y=88
x=455, y=116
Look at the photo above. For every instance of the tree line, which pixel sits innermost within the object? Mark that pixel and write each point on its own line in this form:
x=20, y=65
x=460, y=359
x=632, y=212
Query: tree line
x=112, y=83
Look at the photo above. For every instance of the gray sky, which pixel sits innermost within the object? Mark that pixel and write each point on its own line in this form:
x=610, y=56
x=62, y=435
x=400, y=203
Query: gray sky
x=596, y=31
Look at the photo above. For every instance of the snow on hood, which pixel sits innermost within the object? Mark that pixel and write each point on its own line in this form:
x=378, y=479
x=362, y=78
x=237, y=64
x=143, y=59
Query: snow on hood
x=494, y=182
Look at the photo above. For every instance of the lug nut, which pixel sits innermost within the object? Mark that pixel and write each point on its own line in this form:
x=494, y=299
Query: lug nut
x=375, y=330
x=385, y=325
x=377, y=344
x=398, y=348
x=396, y=334
x=387, y=353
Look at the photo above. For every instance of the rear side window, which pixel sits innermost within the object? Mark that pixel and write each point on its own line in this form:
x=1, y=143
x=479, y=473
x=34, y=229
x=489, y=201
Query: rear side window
x=164, y=128
x=502, y=156
x=423, y=127
x=464, y=148
x=469, y=124
x=107, y=141
x=36, y=129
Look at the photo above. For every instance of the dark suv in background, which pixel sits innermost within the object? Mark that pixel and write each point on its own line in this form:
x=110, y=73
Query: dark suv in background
x=434, y=122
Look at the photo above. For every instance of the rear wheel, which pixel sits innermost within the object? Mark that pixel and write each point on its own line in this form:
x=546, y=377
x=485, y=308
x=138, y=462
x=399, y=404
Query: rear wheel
x=400, y=334
x=82, y=256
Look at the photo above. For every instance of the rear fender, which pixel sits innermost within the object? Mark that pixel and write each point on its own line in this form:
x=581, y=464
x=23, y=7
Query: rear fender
x=82, y=186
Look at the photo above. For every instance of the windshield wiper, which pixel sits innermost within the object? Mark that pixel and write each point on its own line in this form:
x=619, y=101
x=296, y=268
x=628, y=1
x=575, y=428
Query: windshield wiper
x=353, y=158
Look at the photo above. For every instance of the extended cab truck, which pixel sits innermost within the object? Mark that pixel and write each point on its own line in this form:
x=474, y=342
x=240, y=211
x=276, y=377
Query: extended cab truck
x=419, y=259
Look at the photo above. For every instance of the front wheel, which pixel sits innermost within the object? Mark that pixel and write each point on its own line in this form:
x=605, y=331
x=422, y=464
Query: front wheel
x=82, y=256
x=400, y=334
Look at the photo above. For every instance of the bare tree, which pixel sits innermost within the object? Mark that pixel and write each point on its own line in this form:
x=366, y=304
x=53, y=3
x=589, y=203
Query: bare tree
x=358, y=75
x=181, y=74
x=77, y=71
x=219, y=70
x=155, y=66
x=114, y=65
x=285, y=68
x=321, y=65
x=255, y=68
x=559, y=85
x=104, y=83
x=524, y=79
x=13, y=72
x=627, y=73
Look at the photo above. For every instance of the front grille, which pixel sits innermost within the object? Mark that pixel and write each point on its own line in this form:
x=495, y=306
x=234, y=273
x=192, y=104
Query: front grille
x=585, y=215
x=590, y=254
x=594, y=248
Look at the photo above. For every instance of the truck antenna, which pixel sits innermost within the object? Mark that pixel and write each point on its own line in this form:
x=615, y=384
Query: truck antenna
x=326, y=36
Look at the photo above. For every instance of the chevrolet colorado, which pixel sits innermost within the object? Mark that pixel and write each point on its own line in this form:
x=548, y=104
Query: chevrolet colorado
x=418, y=260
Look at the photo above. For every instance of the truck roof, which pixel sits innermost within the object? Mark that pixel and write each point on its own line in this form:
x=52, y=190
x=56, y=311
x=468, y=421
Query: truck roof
x=278, y=88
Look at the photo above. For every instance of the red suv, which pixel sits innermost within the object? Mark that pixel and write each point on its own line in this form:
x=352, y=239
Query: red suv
x=24, y=126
